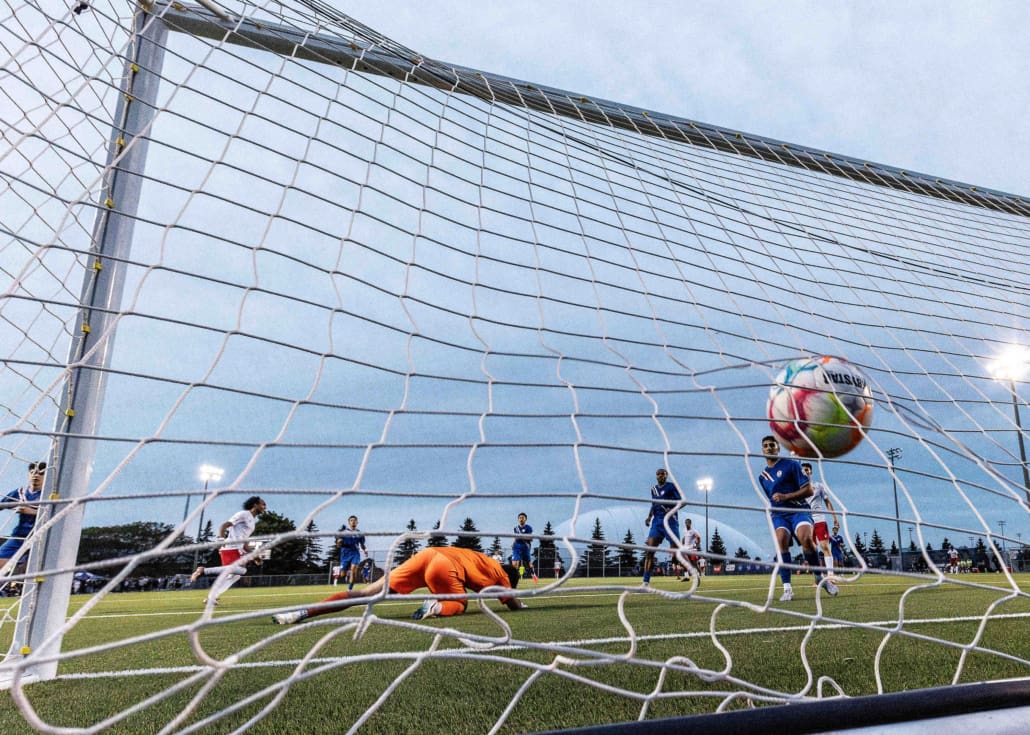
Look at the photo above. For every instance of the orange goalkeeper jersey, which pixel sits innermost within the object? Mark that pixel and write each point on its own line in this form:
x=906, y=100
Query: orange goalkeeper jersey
x=448, y=570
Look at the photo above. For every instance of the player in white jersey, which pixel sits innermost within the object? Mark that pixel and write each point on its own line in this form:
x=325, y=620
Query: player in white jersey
x=692, y=543
x=821, y=504
x=235, y=531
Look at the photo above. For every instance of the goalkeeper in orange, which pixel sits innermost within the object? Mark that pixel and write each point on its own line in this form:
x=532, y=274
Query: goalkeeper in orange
x=445, y=570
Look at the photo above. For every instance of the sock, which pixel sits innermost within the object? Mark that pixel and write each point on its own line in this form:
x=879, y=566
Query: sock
x=784, y=571
x=320, y=610
x=812, y=557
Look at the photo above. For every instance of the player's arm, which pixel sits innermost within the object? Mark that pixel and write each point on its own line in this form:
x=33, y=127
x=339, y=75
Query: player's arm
x=223, y=530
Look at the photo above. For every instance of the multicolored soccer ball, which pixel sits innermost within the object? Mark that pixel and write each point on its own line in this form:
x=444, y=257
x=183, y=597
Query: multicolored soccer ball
x=819, y=406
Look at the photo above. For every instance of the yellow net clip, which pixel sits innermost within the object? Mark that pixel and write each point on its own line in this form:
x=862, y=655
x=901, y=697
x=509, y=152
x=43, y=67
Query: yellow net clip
x=86, y=329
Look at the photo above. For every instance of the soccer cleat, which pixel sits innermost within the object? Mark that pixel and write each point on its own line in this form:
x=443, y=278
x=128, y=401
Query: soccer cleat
x=210, y=601
x=197, y=574
x=787, y=596
x=289, y=618
x=429, y=609
x=536, y=578
x=831, y=588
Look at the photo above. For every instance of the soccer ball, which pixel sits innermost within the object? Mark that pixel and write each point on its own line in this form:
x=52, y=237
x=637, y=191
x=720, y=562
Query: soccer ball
x=819, y=406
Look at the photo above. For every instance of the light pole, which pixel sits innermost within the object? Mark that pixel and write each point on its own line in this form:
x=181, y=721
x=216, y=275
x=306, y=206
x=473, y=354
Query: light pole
x=705, y=485
x=1001, y=525
x=894, y=454
x=208, y=473
x=1009, y=366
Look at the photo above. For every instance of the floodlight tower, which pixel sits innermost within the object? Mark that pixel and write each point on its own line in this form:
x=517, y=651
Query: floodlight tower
x=208, y=473
x=1009, y=366
x=894, y=454
x=705, y=485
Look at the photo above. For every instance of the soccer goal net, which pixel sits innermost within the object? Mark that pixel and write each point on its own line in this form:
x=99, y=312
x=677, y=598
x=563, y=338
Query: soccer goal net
x=262, y=239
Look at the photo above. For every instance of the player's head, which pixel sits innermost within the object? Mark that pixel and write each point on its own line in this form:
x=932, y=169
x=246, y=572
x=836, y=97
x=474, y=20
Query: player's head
x=37, y=471
x=513, y=574
x=353, y=521
x=661, y=475
x=523, y=518
x=770, y=446
x=689, y=522
x=254, y=503
x=836, y=527
x=806, y=468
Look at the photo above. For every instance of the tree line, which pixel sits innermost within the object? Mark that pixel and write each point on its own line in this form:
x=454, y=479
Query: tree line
x=311, y=553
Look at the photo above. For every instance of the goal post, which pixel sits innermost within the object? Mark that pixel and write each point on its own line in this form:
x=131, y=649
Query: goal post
x=48, y=583
x=368, y=282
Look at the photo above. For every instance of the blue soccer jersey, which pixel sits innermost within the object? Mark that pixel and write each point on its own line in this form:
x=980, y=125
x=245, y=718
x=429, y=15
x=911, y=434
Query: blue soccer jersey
x=837, y=547
x=28, y=497
x=520, y=547
x=784, y=477
x=666, y=492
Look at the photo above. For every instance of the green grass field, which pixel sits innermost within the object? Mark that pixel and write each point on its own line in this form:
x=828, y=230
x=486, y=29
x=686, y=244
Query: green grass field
x=586, y=655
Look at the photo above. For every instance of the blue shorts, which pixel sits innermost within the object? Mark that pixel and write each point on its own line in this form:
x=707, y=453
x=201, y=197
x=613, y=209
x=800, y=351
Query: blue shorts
x=10, y=547
x=520, y=553
x=791, y=519
x=349, y=558
x=658, y=529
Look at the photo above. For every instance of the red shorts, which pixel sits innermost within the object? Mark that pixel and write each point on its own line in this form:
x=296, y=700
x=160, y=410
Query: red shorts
x=822, y=533
x=229, y=556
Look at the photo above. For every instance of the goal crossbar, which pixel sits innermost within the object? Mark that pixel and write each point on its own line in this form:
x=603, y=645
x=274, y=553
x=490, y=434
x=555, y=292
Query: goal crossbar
x=395, y=61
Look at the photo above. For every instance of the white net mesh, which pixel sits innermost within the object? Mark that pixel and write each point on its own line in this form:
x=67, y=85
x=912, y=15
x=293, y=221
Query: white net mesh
x=362, y=282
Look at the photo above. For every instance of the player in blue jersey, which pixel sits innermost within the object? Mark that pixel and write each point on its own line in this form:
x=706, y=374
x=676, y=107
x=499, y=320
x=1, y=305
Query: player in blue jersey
x=521, y=556
x=348, y=544
x=662, y=520
x=837, y=547
x=787, y=487
x=25, y=502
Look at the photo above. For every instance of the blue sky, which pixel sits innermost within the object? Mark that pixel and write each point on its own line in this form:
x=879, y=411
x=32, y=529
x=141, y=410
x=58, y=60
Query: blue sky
x=301, y=343
x=935, y=87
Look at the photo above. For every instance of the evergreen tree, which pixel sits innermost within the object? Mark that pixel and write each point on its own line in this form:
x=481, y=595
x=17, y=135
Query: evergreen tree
x=717, y=546
x=627, y=557
x=288, y=556
x=314, y=557
x=894, y=548
x=859, y=546
x=208, y=557
x=436, y=539
x=912, y=546
x=876, y=544
x=742, y=553
x=545, y=552
x=595, y=557
x=495, y=547
x=409, y=546
x=469, y=538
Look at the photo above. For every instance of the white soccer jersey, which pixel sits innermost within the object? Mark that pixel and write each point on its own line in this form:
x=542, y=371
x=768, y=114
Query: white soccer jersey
x=692, y=539
x=241, y=525
x=817, y=501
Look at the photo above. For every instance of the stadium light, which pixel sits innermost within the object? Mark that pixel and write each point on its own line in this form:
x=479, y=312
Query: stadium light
x=1010, y=366
x=208, y=473
x=705, y=485
x=894, y=454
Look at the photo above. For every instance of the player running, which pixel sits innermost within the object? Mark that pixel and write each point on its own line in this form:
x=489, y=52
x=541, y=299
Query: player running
x=662, y=521
x=520, y=548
